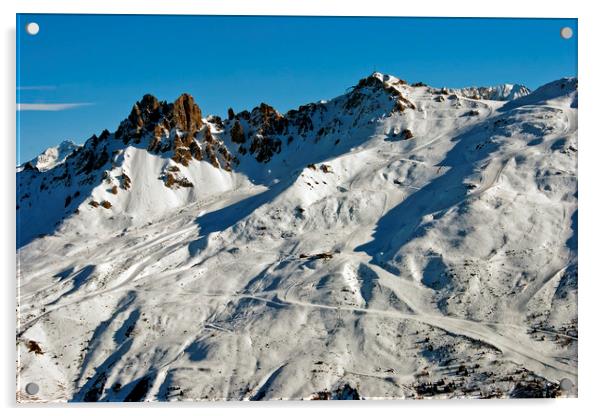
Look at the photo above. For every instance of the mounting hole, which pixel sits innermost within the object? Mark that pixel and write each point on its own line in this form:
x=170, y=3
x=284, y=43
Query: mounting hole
x=566, y=32
x=32, y=388
x=32, y=28
x=566, y=384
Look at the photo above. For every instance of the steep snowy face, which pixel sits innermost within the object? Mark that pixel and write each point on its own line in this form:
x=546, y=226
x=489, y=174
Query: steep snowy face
x=395, y=241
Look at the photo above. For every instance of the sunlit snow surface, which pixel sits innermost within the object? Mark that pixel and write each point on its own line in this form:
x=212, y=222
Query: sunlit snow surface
x=453, y=269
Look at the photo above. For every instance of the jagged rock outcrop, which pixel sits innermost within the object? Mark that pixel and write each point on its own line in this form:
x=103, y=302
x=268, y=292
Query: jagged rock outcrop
x=178, y=128
x=263, y=131
x=376, y=85
x=268, y=124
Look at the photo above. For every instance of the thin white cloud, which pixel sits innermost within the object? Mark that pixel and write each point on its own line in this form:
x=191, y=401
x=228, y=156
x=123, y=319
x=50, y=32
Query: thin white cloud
x=48, y=107
x=36, y=87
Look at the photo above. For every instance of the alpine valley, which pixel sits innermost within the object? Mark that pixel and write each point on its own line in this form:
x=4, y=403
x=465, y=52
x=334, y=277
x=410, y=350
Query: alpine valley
x=397, y=241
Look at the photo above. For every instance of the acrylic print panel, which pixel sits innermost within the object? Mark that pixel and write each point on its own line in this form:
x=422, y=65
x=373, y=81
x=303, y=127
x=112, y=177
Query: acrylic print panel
x=263, y=208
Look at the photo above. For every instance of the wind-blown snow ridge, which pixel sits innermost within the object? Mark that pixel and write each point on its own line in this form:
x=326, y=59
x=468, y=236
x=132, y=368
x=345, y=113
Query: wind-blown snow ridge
x=398, y=241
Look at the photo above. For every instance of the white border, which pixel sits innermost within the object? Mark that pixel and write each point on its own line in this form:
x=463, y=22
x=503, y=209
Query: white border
x=590, y=206
x=456, y=8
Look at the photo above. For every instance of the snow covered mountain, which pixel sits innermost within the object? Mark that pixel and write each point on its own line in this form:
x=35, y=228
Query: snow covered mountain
x=504, y=92
x=397, y=241
x=52, y=156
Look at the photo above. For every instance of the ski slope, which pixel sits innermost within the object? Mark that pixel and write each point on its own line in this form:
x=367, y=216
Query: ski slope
x=341, y=258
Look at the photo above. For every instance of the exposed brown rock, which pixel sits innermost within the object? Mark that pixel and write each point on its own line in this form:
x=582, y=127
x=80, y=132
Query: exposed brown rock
x=326, y=168
x=170, y=180
x=265, y=124
x=33, y=346
x=216, y=121
x=264, y=147
x=106, y=204
x=126, y=182
x=186, y=114
x=174, y=182
x=371, y=81
x=245, y=115
x=144, y=111
x=399, y=107
x=158, y=132
x=144, y=114
x=158, y=119
x=208, y=136
x=195, y=150
x=237, y=133
x=182, y=155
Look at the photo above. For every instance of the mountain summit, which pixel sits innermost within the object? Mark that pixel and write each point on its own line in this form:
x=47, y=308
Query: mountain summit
x=399, y=240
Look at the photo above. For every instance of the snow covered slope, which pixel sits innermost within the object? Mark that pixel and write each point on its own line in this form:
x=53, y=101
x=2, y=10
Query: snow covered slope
x=503, y=92
x=396, y=241
x=53, y=156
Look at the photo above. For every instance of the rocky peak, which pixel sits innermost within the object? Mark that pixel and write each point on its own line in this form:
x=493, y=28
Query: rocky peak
x=144, y=111
x=267, y=120
x=151, y=115
x=363, y=93
x=186, y=113
x=263, y=125
x=176, y=127
x=376, y=79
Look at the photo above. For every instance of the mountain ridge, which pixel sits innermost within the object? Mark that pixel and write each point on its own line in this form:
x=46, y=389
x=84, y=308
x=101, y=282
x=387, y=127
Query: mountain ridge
x=502, y=92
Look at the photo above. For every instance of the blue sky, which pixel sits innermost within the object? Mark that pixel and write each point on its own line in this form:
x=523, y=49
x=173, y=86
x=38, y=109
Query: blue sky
x=90, y=69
